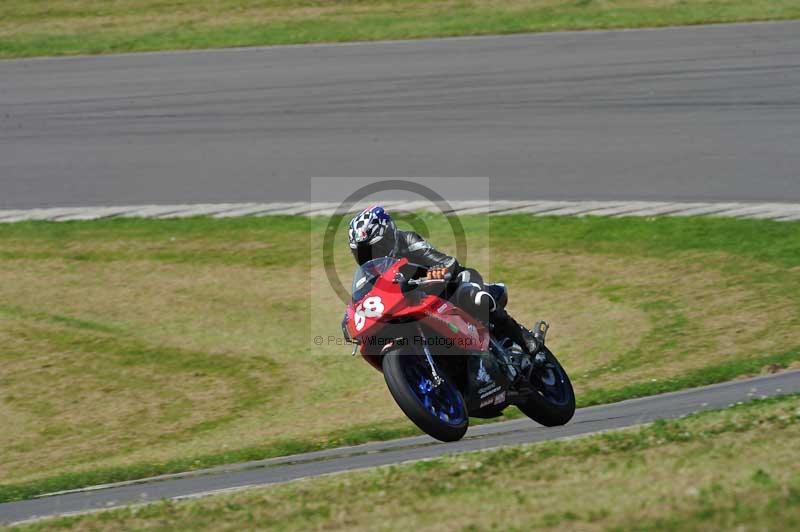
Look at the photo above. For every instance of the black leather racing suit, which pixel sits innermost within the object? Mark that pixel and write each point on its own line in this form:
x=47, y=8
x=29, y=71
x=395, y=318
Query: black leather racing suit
x=419, y=251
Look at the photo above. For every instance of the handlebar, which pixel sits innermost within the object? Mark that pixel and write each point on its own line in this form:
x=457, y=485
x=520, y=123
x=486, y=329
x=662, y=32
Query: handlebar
x=429, y=282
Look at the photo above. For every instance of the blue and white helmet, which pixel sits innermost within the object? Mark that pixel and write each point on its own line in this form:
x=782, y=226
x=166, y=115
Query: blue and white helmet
x=372, y=233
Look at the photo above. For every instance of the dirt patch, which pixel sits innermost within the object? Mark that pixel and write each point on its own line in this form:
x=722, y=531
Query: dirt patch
x=651, y=318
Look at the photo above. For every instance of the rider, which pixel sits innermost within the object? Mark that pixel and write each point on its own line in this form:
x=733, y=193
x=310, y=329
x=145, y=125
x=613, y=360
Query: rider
x=373, y=234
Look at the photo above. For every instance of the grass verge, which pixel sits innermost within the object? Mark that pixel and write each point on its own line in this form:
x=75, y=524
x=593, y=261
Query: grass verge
x=134, y=348
x=686, y=474
x=62, y=27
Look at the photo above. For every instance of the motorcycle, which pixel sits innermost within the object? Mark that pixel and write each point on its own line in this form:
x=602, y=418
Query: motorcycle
x=441, y=364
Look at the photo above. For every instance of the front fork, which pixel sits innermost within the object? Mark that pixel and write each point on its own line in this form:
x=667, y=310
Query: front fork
x=437, y=379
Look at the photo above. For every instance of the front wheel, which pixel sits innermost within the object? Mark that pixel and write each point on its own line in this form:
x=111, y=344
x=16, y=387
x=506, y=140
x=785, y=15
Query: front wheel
x=553, y=401
x=437, y=410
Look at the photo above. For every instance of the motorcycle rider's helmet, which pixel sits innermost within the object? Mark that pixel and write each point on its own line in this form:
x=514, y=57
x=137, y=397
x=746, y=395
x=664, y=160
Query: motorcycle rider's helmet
x=372, y=234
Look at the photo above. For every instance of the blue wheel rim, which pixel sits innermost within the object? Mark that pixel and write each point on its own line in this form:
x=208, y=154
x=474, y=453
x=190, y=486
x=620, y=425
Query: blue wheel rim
x=442, y=402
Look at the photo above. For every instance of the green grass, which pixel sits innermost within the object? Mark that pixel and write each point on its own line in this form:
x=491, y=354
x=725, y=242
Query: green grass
x=720, y=470
x=132, y=348
x=62, y=27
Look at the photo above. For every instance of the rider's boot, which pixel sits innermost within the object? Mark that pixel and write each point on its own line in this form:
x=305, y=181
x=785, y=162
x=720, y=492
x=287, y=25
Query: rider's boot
x=483, y=306
x=530, y=341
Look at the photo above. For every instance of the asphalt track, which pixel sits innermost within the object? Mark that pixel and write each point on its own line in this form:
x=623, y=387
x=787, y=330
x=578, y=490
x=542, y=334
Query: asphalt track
x=700, y=114
x=265, y=472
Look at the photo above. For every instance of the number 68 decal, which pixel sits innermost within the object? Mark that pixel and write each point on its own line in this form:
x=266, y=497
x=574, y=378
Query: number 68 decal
x=372, y=307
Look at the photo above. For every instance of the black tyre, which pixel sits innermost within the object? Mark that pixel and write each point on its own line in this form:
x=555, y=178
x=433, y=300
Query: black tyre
x=438, y=410
x=553, y=402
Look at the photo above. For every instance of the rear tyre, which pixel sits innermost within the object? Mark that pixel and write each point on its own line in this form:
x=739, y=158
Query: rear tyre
x=553, y=401
x=439, y=411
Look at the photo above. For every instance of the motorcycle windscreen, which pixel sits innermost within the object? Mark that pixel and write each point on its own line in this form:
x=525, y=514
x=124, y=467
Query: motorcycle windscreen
x=366, y=275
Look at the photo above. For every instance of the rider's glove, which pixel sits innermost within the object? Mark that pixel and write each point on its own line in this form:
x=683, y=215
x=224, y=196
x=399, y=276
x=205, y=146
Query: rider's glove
x=437, y=272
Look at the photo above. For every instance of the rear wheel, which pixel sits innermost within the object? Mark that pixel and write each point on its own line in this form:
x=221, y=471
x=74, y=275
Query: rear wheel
x=438, y=410
x=553, y=401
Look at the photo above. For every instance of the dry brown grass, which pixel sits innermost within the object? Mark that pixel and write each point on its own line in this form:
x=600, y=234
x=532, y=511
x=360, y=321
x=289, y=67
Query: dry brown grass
x=140, y=348
x=76, y=17
x=84, y=403
x=723, y=317
x=25, y=18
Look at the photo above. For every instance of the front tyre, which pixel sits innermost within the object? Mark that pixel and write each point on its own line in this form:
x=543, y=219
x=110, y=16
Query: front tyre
x=438, y=410
x=553, y=401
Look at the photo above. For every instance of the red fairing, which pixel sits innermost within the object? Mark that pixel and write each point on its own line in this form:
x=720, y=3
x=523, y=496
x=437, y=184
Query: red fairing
x=386, y=301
